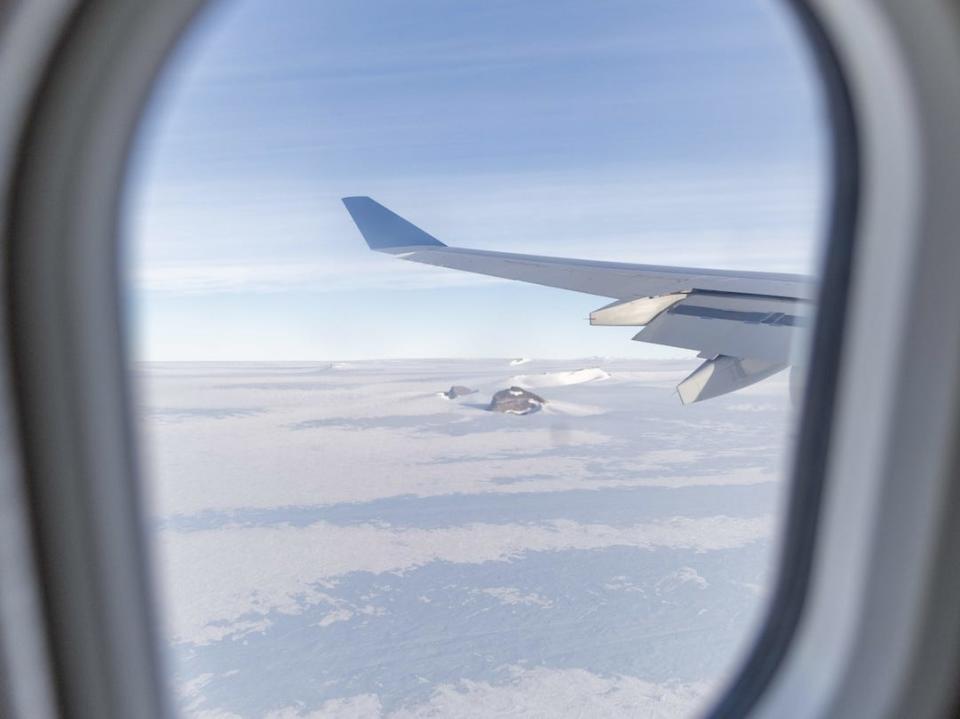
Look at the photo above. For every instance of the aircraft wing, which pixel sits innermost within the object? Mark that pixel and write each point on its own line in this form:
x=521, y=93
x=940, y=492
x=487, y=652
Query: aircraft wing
x=741, y=323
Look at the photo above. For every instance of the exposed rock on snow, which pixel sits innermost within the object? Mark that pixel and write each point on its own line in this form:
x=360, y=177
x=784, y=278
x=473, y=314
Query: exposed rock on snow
x=458, y=390
x=516, y=400
x=520, y=360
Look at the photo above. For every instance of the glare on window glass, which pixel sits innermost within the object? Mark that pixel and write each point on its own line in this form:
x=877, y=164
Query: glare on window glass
x=395, y=472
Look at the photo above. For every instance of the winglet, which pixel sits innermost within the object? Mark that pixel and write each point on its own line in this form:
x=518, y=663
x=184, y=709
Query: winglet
x=383, y=229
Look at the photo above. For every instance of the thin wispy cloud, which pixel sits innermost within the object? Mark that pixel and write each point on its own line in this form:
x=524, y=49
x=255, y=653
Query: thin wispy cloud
x=190, y=279
x=721, y=221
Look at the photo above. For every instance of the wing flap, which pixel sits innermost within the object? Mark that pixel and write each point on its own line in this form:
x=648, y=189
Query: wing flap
x=723, y=374
x=761, y=328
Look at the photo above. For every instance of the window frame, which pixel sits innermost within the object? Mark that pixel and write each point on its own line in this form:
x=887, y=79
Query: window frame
x=67, y=356
x=879, y=634
x=809, y=463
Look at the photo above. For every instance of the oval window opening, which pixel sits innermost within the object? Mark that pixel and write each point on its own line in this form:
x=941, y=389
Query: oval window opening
x=465, y=338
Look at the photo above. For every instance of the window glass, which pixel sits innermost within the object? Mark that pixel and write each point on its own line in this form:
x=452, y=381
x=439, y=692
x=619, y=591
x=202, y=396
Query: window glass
x=384, y=488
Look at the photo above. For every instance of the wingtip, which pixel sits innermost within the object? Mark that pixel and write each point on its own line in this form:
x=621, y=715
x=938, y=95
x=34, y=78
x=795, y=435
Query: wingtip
x=383, y=229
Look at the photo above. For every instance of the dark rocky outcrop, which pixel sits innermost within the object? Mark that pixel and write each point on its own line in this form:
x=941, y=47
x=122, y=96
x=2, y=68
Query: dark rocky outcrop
x=516, y=400
x=458, y=390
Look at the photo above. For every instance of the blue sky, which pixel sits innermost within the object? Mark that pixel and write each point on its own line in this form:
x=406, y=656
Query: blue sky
x=670, y=132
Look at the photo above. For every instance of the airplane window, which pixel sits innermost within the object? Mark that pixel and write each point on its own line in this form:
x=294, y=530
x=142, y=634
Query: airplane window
x=468, y=344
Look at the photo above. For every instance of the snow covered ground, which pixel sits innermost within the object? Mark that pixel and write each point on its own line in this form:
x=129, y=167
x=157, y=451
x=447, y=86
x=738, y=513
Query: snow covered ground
x=337, y=540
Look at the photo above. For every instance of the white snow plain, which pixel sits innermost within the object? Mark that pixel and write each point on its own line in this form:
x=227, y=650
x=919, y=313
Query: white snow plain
x=234, y=574
x=334, y=539
x=561, y=379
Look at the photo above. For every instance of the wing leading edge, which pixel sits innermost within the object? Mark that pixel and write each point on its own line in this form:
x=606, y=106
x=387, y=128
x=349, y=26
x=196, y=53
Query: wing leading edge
x=741, y=323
